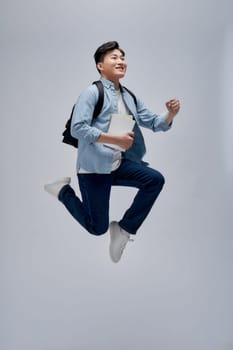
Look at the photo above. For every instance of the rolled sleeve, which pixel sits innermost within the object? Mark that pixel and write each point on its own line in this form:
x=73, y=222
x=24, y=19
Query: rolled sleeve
x=163, y=125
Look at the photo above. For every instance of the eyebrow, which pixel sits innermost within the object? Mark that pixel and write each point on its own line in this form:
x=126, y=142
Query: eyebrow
x=115, y=54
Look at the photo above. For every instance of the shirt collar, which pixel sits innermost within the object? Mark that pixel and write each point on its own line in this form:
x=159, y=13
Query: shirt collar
x=107, y=83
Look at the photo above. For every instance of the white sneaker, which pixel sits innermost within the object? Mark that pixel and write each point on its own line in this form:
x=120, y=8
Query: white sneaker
x=118, y=240
x=55, y=187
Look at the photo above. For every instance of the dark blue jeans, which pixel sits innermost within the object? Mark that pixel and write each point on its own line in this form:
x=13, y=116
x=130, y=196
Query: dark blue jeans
x=93, y=211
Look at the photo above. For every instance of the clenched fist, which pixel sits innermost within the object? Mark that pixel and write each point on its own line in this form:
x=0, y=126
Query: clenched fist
x=173, y=106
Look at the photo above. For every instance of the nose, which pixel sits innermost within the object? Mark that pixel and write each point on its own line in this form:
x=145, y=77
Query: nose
x=121, y=61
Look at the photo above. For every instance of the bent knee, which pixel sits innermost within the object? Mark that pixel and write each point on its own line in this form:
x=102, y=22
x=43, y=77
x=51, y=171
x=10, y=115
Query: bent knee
x=161, y=180
x=158, y=179
x=99, y=230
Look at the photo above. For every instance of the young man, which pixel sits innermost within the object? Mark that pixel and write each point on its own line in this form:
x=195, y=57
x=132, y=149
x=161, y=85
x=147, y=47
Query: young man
x=101, y=165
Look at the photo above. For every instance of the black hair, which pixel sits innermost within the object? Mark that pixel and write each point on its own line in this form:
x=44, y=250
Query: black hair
x=104, y=48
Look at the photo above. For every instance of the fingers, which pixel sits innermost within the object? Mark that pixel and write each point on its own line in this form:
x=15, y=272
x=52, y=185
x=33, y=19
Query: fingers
x=173, y=103
x=125, y=140
x=129, y=139
x=173, y=106
x=131, y=134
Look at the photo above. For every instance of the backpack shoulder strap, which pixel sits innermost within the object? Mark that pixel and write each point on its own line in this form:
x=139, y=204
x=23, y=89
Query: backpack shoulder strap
x=100, y=101
x=132, y=94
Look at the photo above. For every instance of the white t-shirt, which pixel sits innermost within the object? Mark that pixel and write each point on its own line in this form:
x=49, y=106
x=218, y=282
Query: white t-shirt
x=117, y=154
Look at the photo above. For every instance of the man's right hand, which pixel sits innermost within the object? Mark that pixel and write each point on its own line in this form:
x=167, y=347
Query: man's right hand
x=124, y=140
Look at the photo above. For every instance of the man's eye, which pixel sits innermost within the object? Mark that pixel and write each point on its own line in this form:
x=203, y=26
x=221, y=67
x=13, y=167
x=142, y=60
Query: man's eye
x=115, y=58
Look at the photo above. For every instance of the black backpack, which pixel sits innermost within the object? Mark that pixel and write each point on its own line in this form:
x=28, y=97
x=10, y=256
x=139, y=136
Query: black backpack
x=67, y=137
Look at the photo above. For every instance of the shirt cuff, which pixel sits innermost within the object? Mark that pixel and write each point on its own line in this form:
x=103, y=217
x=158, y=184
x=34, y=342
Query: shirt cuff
x=164, y=125
x=94, y=135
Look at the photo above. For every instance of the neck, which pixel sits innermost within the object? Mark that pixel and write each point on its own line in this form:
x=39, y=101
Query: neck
x=117, y=85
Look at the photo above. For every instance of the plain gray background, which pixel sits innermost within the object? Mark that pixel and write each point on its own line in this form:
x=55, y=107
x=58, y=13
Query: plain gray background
x=173, y=287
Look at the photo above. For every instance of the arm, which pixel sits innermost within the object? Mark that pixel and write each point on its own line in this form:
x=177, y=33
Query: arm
x=157, y=122
x=83, y=115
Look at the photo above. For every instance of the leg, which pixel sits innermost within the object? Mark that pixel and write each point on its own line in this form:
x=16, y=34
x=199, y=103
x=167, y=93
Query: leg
x=93, y=211
x=149, y=182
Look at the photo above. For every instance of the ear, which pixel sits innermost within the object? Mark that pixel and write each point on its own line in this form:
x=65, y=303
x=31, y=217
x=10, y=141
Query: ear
x=99, y=66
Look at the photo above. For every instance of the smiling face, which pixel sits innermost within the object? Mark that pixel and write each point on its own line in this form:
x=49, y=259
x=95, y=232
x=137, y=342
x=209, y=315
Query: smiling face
x=113, y=67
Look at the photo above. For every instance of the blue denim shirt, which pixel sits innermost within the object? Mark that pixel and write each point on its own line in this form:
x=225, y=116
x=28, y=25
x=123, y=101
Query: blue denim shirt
x=95, y=156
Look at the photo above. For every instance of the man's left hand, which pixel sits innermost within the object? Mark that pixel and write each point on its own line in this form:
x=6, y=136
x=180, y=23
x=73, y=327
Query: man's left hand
x=173, y=106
